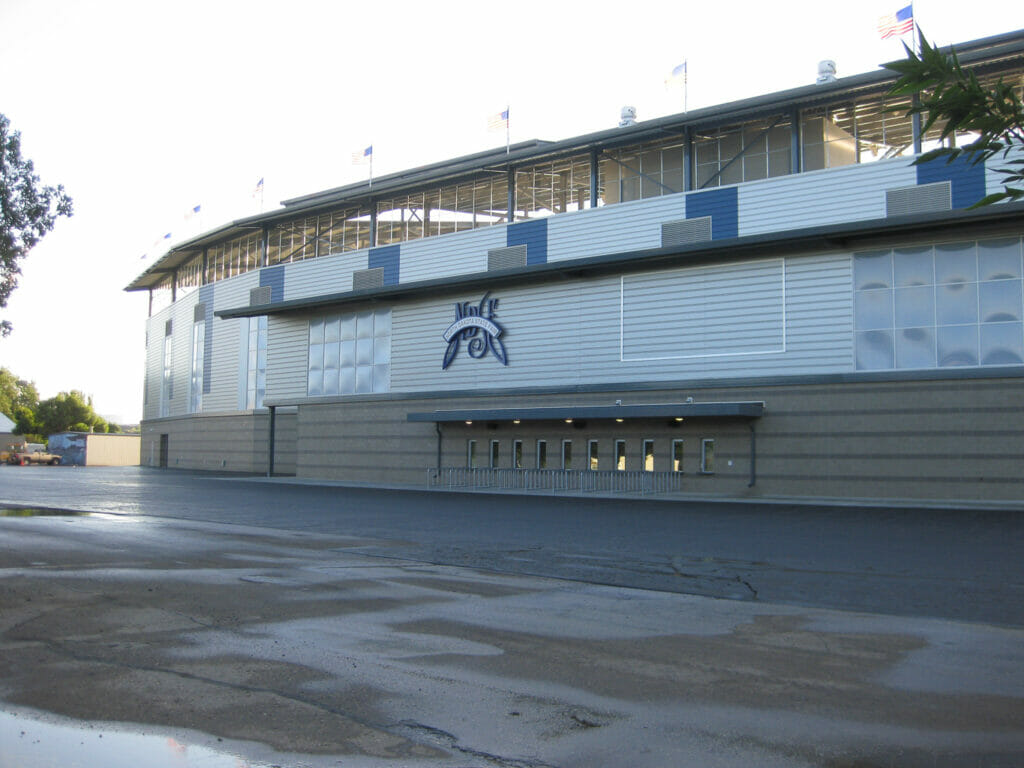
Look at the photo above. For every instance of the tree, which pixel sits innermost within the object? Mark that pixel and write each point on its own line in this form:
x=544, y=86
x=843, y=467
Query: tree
x=950, y=96
x=68, y=411
x=15, y=393
x=28, y=210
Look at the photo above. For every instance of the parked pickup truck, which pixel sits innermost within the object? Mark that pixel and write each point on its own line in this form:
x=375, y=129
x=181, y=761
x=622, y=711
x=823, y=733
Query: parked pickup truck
x=28, y=455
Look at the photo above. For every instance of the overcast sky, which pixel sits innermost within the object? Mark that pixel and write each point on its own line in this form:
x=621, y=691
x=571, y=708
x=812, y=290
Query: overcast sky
x=144, y=110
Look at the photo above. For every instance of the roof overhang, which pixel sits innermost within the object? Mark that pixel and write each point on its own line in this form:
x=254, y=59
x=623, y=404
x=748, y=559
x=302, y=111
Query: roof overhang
x=722, y=410
x=830, y=237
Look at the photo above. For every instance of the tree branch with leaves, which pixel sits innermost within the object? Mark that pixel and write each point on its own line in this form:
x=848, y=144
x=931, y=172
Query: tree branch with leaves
x=951, y=96
x=28, y=211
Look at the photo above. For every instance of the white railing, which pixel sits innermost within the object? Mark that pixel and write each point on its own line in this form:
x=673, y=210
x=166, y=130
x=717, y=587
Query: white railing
x=555, y=480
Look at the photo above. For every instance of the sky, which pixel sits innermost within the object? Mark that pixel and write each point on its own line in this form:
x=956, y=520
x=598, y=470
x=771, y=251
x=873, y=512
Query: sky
x=145, y=110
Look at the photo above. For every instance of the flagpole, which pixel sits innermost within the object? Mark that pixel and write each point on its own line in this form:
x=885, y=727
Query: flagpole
x=508, y=130
x=371, y=167
x=686, y=85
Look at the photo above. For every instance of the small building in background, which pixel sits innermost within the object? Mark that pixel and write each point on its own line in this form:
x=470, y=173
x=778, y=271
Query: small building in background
x=7, y=436
x=88, y=449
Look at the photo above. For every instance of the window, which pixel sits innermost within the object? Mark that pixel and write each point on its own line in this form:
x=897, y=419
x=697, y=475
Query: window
x=948, y=305
x=350, y=354
x=542, y=454
x=517, y=454
x=707, y=456
x=167, y=382
x=471, y=454
x=677, y=455
x=592, y=462
x=648, y=455
x=495, y=452
x=567, y=454
x=620, y=455
x=256, y=362
x=196, y=382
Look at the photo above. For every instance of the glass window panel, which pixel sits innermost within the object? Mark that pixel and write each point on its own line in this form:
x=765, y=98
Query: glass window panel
x=648, y=455
x=999, y=259
x=955, y=263
x=874, y=350
x=957, y=345
x=382, y=350
x=873, y=309
x=755, y=167
x=733, y=174
x=707, y=455
x=348, y=327
x=315, y=383
x=517, y=454
x=364, y=379
x=364, y=325
x=1002, y=344
x=316, y=356
x=1000, y=301
x=346, y=381
x=872, y=270
x=332, y=328
x=913, y=266
x=620, y=455
x=915, y=307
x=542, y=454
x=567, y=454
x=381, y=378
x=495, y=453
x=956, y=303
x=677, y=455
x=331, y=381
x=382, y=323
x=364, y=351
x=316, y=331
x=915, y=348
x=592, y=455
x=348, y=353
x=332, y=353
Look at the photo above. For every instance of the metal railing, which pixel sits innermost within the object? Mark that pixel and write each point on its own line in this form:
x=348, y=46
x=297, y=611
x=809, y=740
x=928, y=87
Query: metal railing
x=556, y=480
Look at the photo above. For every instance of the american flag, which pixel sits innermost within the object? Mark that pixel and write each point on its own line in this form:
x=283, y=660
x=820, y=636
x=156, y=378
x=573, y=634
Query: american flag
x=498, y=121
x=358, y=158
x=896, y=24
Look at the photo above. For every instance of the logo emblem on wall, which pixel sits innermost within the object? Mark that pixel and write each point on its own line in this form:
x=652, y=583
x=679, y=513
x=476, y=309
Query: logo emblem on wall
x=475, y=325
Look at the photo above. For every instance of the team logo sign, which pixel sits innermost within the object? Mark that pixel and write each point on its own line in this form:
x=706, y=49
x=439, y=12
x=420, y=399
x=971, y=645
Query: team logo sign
x=474, y=324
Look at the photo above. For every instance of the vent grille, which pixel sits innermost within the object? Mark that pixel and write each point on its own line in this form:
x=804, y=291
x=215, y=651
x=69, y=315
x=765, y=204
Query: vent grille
x=685, y=231
x=365, y=279
x=199, y=313
x=513, y=257
x=923, y=198
x=258, y=296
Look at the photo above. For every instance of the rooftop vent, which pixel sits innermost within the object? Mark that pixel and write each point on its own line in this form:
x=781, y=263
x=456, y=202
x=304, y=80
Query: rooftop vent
x=826, y=71
x=627, y=117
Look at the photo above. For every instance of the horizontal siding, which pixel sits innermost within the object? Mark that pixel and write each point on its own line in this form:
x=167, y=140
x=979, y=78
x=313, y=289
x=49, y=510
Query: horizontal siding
x=154, y=363
x=227, y=340
x=628, y=226
x=287, y=357
x=455, y=254
x=328, y=274
x=819, y=198
x=569, y=334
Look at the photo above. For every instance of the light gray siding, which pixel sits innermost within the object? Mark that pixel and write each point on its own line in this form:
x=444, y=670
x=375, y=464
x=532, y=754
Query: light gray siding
x=227, y=337
x=622, y=227
x=329, y=274
x=568, y=334
x=287, y=357
x=455, y=254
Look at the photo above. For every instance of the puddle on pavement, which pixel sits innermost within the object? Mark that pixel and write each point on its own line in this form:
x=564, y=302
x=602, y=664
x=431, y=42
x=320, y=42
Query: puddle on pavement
x=41, y=744
x=37, y=512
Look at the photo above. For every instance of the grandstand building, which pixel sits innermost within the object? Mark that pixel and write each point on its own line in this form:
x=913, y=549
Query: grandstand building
x=761, y=299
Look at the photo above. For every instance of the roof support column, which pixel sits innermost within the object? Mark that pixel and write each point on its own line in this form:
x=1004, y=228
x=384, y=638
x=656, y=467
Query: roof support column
x=373, y=223
x=511, y=195
x=595, y=178
x=265, y=250
x=795, y=142
x=174, y=286
x=687, y=159
x=206, y=265
x=915, y=122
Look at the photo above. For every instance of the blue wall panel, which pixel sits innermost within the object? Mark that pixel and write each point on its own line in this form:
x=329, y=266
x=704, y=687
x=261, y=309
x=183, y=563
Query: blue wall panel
x=722, y=205
x=387, y=257
x=532, y=234
x=968, y=179
x=274, y=277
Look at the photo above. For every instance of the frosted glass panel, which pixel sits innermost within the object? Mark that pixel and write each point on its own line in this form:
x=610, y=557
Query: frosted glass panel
x=316, y=332
x=331, y=381
x=958, y=345
x=1000, y=301
x=332, y=329
x=348, y=327
x=364, y=325
x=382, y=324
x=915, y=307
x=1002, y=344
x=364, y=379
x=874, y=310
x=316, y=383
x=999, y=259
x=914, y=267
x=381, y=352
x=874, y=350
x=381, y=378
x=364, y=351
x=331, y=356
x=955, y=263
x=348, y=353
x=872, y=270
x=915, y=348
x=956, y=303
x=347, y=381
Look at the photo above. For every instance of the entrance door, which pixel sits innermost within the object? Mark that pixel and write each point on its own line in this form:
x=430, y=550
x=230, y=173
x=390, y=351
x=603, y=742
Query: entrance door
x=163, y=450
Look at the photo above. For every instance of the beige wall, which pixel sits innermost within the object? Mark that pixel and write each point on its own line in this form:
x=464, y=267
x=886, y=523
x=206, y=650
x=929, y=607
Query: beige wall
x=112, y=450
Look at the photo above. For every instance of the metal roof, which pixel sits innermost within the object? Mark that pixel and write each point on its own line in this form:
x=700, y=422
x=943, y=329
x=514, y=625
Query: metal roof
x=993, y=52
